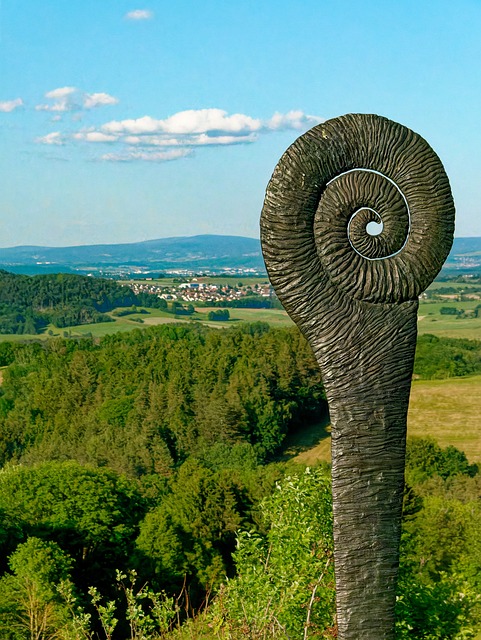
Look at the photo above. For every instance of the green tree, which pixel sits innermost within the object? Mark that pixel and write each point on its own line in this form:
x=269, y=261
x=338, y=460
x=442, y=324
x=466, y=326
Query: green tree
x=439, y=585
x=425, y=458
x=31, y=607
x=91, y=513
x=446, y=357
x=191, y=534
x=220, y=314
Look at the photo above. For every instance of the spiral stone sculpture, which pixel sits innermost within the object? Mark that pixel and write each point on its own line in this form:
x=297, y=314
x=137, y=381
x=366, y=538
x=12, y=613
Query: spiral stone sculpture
x=354, y=295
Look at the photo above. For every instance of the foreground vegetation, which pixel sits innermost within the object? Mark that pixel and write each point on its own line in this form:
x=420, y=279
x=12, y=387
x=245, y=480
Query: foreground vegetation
x=146, y=489
x=81, y=542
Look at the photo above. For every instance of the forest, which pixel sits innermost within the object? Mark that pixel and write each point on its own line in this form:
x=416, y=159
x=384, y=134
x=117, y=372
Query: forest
x=28, y=304
x=144, y=494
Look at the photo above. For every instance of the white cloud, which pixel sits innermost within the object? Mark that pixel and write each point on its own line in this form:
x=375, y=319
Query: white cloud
x=94, y=136
x=62, y=100
x=60, y=94
x=292, y=120
x=188, y=122
x=72, y=99
x=204, y=120
x=11, y=105
x=51, y=138
x=215, y=122
x=159, y=140
x=139, y=14
x=92, y=100
x=140, y=125
x=149, y=156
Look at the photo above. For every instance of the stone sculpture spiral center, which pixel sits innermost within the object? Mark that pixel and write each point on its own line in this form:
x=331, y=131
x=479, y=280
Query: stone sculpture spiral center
x=354, y=295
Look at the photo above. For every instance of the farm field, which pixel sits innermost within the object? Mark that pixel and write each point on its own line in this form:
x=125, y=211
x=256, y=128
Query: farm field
x=451, y=327
x=276, y=317
x=447, y=410
x=219, y=280
x=465, y=286
x=430, y=321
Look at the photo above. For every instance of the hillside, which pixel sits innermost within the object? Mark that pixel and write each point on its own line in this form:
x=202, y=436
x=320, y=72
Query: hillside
x=195, y=252
x=29, y=303
x=465, y=255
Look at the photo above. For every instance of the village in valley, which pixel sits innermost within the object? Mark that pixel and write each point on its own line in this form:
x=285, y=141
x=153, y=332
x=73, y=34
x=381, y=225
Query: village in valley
x=203, y=290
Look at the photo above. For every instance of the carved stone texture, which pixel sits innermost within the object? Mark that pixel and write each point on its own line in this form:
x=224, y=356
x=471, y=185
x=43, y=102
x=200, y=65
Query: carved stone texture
x=355, y=297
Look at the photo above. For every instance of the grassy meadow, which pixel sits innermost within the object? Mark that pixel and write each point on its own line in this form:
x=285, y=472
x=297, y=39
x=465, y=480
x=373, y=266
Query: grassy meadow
x=430, y=319
x=447, y=410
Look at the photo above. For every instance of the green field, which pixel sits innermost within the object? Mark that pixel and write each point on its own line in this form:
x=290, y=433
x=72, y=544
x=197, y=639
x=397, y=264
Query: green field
x=430, y=321
x=276, y=317
x=450, y=326
x=447, y=410
x=466, y=285
x=219, y=280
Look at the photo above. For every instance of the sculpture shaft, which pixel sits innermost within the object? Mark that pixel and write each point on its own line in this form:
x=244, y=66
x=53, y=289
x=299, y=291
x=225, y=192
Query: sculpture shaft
x=368, y=392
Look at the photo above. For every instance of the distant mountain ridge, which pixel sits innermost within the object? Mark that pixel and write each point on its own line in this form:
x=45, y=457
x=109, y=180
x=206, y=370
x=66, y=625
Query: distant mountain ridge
x=185, y=252
x=165, y=249
x=200, y=252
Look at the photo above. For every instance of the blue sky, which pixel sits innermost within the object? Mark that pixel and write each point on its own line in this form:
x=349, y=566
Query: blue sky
x=123, y=121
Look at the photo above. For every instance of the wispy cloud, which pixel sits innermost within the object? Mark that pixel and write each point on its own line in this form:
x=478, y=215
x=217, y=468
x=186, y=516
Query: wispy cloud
x=291, y=120
x=10, y=105
x=149, y=156
x=51, y=138
x=159, y=140
x=62, y=99
x=200, y=140
x=92, y=100
x=72, y=99
x=139, y=14
x=94, y=136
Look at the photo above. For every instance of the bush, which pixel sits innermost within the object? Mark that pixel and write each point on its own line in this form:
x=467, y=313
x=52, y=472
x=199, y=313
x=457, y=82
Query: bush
x=425, y=458
x=285, y=581
x=221, y=314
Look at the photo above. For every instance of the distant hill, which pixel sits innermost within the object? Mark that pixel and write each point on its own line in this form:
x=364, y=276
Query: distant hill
x=209, y=252
x=29, y=304
x=195, y=253
x=465, y=255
